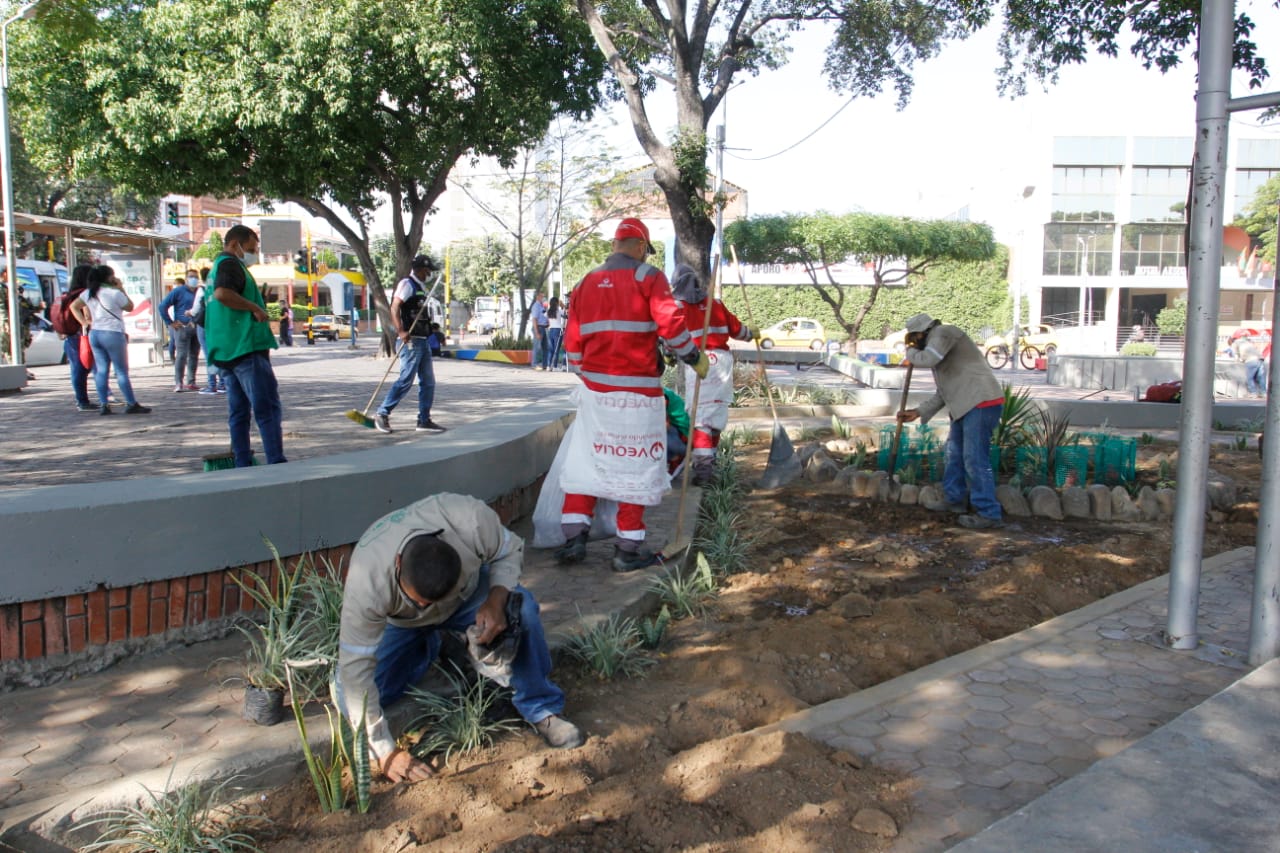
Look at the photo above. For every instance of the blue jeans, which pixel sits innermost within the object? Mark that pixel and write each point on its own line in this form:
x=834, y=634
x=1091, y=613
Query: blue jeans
x=251, y=384
x=1255, y=371
x=187, y=354
x=415, y=360
x=215, y=372
x=111, y=349
x=404, y=654
x=539, y=345
x=79, y=376
x=969, y=477
x=551, y=347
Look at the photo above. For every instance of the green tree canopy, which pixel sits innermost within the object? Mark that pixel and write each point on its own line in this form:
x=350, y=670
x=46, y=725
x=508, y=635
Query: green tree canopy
x=210, y=248
x=695, y=48
x=340, y=106
x=892, y=248
x=1259, y=218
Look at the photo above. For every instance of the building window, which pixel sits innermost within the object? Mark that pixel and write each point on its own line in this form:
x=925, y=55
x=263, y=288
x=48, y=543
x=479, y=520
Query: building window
x=1077, y=249
x=1085, y=193
x=1152, y=250
x=1159, y=194
x=1060, y=306
x=1247, y=183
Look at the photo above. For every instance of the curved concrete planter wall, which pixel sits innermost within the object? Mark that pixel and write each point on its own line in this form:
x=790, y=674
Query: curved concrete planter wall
x=93, y=564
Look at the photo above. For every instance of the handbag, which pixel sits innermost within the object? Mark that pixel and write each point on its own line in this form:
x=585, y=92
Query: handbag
x=86, y=353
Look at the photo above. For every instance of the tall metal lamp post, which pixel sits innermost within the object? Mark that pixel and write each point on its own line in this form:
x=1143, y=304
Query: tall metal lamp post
x=6, y=177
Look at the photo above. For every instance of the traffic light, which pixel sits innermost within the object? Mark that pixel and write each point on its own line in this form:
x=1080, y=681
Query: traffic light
x=300, y=261
x=171, y=212
x=315, y=265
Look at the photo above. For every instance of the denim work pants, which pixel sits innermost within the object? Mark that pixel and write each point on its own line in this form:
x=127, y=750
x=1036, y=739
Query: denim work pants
x=404, y=654
x=1255, y=371
x=186, y=356
x=415, y=360
x=968, y=477
x=551, y=347
x=251, y=385
x=111, y=349
x=215, y=373
x=79, y=376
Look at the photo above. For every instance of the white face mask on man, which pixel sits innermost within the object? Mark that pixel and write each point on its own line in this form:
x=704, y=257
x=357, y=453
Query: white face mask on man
x=193, y=282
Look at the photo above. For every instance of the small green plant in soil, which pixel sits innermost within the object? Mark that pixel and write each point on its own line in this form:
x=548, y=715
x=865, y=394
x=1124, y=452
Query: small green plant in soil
x=723, y=546
x=1146, y=439
x=612, y=648
x=348, y=748
x=858, y=459
x=1016, y=418
x=458, y=723
x=689, y=594
x=812, y=433
x=908, y=475
x=505, y=340
x=654, y=628
x=1241, y=443
x=186, y=820
x=840, y=428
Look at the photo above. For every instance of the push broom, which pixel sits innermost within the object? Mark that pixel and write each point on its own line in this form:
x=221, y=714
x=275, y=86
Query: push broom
x=363, y=418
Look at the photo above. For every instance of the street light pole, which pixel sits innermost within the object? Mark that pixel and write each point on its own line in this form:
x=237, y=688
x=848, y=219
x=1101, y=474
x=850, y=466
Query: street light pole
x=6, y=177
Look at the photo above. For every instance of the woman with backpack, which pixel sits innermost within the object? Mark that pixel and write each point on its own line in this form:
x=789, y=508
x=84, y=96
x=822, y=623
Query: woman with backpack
x=100, y=311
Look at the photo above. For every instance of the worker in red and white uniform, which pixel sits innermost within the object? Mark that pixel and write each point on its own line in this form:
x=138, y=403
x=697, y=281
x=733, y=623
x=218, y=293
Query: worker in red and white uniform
x=620, y=309
x=716, y=392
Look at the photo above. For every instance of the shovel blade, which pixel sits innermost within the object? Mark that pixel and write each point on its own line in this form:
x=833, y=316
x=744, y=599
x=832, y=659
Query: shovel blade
x=783, y=466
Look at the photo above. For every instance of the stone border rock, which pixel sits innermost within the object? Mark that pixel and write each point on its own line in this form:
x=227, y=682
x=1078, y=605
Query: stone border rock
x=1096, y=501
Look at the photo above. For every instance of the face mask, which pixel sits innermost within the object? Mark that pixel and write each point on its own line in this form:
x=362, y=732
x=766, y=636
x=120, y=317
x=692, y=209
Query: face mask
x=193, y=282
x=250, y=258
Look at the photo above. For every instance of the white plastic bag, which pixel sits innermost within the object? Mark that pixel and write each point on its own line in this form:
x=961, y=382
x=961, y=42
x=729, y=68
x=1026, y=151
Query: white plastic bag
x=546, y=515
x=618, y=448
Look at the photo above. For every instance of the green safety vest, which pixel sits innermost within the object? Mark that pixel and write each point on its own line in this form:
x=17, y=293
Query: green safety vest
x=233, y=334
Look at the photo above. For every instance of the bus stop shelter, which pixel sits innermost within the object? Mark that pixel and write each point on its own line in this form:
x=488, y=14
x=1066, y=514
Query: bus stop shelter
x=137, y=256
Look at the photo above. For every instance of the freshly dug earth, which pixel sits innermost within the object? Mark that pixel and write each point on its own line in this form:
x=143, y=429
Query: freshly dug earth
x=842, y=594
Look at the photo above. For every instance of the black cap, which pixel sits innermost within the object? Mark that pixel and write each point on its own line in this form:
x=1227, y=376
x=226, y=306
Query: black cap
x=420, y=261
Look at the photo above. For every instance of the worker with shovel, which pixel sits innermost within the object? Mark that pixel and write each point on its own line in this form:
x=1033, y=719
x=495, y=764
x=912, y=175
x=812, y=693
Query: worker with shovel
x=717, y=388
x=966, y=386
x=619, y=441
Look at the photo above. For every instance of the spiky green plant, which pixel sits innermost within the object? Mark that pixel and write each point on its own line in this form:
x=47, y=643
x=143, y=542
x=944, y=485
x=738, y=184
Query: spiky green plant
x=460, y=722
x=1146, y=439
x=722, y=545
x=810, y=433
x=858, y=459
x=348, y=747
x=1051, y=432
x=1016, y=417
x=610, y=648
x=285, y=633
x=908, y=475
x=688, y=594
x=1241, y=443
x=186, y=820
x=321, y=591
x=653, y=628
x=840, y=427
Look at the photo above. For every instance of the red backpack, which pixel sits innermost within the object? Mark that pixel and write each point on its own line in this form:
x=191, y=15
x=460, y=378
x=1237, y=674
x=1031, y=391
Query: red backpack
x=1165, y=392
x=60, y=316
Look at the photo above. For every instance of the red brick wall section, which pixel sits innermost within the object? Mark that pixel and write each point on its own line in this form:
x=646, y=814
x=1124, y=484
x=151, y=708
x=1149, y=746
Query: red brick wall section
x=70, y=624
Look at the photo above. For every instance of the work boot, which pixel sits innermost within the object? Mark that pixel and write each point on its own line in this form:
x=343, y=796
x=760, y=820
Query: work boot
x=630, y=561
x=558, y=732
x=137, y=409
x=574, y=550
x=382, y=423
x=980, y=522
x=704, y=471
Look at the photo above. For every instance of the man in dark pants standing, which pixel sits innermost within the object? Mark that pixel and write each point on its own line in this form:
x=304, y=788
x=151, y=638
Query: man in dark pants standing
x=240, y=342
x=413, y=327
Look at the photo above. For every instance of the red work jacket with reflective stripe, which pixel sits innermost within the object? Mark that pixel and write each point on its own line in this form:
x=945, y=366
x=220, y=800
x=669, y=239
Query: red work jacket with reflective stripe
x=617, y=313
x=724, y=325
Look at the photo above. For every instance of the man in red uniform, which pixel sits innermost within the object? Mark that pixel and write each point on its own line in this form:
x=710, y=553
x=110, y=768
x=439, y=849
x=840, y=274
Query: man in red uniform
x=620, y=309
x=716, y=392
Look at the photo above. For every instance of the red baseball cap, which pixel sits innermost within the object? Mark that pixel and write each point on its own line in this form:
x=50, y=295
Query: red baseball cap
x=633, y=229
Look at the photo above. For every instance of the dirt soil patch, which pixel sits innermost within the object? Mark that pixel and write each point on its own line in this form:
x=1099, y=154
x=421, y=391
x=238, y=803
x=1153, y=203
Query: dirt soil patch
x=844, y=594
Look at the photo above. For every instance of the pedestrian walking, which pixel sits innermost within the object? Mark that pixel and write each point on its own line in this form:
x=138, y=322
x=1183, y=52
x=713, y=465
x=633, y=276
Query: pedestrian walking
x=286, y=323
x=619, y=311
x=413, y=327
x=101, y=310
x=1255, y=366
x=972, y=396
x=555, y=334
x=69, y=329
x=240, y=343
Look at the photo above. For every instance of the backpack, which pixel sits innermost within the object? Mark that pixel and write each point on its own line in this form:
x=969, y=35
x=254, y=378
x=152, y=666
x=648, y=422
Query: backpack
x=60, y=316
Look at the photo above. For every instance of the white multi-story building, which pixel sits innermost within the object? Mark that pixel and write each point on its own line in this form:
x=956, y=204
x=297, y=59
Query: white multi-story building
x=1110, y=246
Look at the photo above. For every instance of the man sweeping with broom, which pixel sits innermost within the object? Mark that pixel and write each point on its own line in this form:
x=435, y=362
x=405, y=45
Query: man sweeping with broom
x=619, y=445
x=717, y=387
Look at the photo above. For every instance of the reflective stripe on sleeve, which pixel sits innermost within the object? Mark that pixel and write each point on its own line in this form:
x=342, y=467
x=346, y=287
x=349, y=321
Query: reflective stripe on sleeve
x=624, y=381
x=617, y=326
